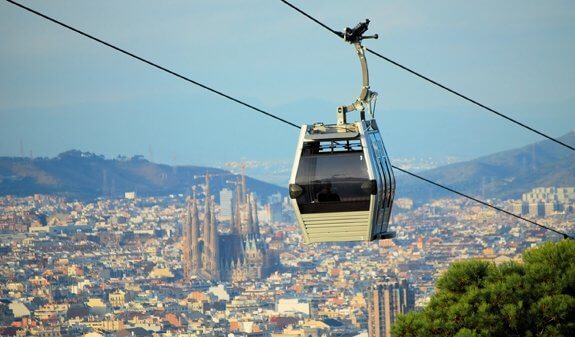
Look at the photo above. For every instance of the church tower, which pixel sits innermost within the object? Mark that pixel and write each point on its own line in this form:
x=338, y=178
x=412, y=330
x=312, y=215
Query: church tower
x=244, y=188
x=195, y=260
x=238, y=255
x=233, y=217
x=250, y=222
x=214, y=247
x=186, y=243
x=206, y=252
x=238, y=216
x=256, y=225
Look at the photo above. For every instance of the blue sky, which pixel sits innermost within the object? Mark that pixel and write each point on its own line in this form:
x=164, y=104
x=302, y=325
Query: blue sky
x=61, y=91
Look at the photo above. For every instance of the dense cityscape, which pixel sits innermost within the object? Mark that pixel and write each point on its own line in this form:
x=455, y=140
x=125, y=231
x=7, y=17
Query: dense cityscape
x=132, y=266
x=157, y=230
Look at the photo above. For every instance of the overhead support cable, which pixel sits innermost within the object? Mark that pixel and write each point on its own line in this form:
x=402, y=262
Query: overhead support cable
x=499, y=209
x=512, y=120
x=171, y=72
x=565, y=235
x=312, y=18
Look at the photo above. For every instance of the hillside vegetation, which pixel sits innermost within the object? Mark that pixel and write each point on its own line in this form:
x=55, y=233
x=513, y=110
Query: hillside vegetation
x=478, y=298
x=504, y=175
x=84, y=175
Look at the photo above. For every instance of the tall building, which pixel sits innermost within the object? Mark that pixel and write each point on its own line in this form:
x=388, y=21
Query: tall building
x=275, y=208
x=191, y=243
x=386, y=300
x=544, y=201
x=238, y=255
x=226, y=204
x=186, y=243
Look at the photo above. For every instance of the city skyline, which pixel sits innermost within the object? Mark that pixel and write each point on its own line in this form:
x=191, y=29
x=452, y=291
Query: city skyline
x=98, y=240
x=117, y=265
x=61, y=91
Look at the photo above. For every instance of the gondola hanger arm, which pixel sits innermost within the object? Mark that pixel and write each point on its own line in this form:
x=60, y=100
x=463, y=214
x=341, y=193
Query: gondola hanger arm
x=355, y=36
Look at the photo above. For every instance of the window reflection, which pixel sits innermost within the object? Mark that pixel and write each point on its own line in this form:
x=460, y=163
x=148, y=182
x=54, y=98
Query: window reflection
x=332, y=180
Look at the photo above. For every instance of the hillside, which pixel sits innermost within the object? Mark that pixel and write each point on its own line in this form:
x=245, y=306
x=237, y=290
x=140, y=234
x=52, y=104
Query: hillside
x=84, y=175
x=504, y=175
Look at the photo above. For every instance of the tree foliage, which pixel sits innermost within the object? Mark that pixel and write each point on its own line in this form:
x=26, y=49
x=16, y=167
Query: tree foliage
x=478, y=298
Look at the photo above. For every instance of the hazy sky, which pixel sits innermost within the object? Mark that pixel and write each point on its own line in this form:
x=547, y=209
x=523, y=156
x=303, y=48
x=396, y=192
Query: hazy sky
x=61, y=91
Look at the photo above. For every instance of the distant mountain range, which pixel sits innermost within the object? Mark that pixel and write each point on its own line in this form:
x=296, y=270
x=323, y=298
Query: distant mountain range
x=504, y=175
x=84, y=175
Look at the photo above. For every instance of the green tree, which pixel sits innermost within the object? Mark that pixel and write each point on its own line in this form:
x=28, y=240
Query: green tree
x=477, y=298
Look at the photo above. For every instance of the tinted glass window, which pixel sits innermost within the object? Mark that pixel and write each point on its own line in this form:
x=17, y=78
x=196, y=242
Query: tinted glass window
x=333, y=181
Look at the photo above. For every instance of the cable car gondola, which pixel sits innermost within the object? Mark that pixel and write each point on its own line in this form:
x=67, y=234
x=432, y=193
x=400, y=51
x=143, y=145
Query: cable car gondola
x=342, y=184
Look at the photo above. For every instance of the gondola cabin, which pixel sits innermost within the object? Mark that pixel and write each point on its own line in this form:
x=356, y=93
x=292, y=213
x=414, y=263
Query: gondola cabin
x=342, y=183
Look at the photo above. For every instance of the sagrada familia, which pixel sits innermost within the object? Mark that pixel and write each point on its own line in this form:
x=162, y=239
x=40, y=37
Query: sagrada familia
x=237, y=255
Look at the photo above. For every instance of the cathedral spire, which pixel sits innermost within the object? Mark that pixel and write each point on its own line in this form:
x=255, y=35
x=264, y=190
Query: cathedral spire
x=238, y=210
x=244, y=190
x=195, y=235
x=186, y=244
x=250, y=226
x=214, y=247
x=256, y=225
x=206, y=253
x=233, y=216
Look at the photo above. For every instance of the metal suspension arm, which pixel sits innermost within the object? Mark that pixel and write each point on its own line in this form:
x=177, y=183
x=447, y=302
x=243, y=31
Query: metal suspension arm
x=354, y=36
